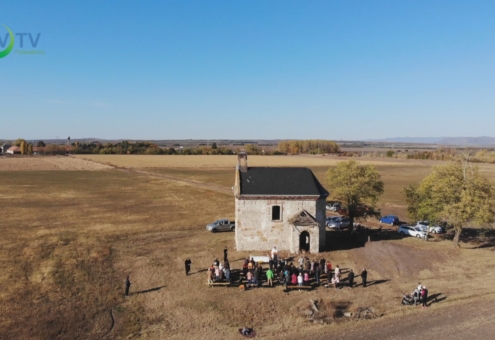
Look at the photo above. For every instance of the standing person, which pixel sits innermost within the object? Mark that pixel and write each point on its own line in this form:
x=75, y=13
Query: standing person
x=329, y=269
x=294, y=279
x=317, y=275
x=245, y=268
x=364, y=276
x=337, y=271
x=274, y=254
x=225, y=252
x=187, y=264
x=301, y=262
x=300, y=280
x=306, y=278
x=127, y=285
x=287, y=280
x=249, y=277
x=269, y=277
x=227, y=274
x=260, y=274
x=424, y=296
x=322, y=266
x=350, y=277
x=209, y=275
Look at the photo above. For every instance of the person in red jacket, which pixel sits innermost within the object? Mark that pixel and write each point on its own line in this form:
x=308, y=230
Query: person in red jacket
x=306, y=279
x=294, y=279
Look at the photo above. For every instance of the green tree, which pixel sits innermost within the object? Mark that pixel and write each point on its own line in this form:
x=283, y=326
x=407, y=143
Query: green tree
x=355, y=185
x=455, y=193
x=41, y=144
x=30, y=149
x=214, y=146
x=390, y=153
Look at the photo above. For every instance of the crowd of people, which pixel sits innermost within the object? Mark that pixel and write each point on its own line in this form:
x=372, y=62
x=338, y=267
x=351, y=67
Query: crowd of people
x=286, y=272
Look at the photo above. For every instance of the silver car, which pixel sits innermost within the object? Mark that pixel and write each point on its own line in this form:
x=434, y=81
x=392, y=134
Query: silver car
x=221, y=225
x=339, y=222
x=425, y=226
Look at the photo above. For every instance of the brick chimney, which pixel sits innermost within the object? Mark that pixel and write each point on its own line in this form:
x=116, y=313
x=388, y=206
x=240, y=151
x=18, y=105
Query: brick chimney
x=242, y=161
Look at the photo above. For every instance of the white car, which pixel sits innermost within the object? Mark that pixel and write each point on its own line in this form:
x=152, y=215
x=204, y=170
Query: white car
x=425, y=226
x=412, y=231
x=339, y=222
x=334, y=206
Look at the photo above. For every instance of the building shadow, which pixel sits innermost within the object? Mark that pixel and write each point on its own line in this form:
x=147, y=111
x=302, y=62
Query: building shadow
x=347, y=240
x=147, y=290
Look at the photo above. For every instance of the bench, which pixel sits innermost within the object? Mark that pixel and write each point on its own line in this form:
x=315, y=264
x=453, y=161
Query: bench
x=211, y=284
x=299, y=287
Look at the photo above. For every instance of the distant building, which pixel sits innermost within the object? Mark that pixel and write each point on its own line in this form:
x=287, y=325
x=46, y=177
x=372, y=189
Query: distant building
x=278, y=207
x=14, y=150
x=5, y=147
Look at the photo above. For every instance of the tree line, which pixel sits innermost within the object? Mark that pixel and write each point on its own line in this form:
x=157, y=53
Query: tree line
x=310, y=146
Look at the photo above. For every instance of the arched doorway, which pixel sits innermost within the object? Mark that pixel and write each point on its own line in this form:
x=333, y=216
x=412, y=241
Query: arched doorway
x=304, y=241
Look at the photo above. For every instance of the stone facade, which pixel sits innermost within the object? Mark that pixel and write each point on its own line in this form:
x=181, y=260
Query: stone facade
x=255, y=229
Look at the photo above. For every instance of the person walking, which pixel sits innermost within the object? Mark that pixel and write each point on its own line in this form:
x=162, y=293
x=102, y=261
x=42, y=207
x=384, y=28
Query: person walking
x=127, y=285
x=350, y=277
x=225, y=254
x=187, y=265
x=269, y=277
x=424, y=296
x=364, y=276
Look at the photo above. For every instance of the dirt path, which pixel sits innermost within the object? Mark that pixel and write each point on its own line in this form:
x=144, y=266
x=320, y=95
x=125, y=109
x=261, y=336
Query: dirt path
x=213, y=187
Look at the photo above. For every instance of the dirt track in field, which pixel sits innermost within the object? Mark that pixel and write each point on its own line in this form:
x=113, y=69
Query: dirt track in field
x=202, y=185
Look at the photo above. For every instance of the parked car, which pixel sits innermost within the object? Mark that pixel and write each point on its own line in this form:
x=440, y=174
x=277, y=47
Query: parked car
x=412, y=231
x=330, y=219
x=339, y=222
x=425, y=226
x=389, y=219
x=221, y=225
x=436, y=229
x=334, y=206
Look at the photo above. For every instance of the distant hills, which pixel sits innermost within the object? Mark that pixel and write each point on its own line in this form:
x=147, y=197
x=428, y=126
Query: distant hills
x=458, y=141
x=483, y=141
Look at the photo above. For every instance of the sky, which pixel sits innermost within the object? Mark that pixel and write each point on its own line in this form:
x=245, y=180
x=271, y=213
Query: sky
x=339, y=70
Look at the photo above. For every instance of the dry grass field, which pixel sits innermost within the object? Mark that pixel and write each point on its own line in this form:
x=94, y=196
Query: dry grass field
x=69, y=238
x=42, y=163
x=215, y=162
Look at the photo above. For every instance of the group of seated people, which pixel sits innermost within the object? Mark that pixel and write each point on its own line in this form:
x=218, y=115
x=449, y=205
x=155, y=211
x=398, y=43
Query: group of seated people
x=219, y=271
x=285, y=271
